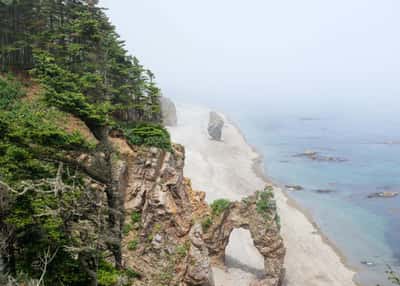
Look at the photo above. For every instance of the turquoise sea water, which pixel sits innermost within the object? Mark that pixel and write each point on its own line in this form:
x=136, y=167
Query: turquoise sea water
x=356, y=129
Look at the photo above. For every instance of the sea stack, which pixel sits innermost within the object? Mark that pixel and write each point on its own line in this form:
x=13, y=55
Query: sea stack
x=168, y=111
x=215, y=125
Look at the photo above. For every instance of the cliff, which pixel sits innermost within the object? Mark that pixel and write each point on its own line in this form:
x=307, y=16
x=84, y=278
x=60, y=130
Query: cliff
x=127, y=216
x=172, y=237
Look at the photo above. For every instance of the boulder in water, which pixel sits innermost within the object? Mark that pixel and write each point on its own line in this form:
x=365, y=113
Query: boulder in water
x=324, y=191
x=383, y=195
x=294, y=188
x=368, y=263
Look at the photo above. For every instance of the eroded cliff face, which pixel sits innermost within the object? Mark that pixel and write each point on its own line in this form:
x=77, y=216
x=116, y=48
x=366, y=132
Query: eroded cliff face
x=163, y=237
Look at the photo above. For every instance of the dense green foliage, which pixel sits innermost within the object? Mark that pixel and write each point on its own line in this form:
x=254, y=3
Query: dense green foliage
x=9, y=91
x=148, y=134
x=76, y=53
x=62, y=62
x=109, y=276
x=219, y=206
x=63, y=89
x=40, y=228
x=30, y=138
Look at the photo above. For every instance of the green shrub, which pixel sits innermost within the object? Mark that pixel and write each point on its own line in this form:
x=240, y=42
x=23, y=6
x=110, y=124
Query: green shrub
x=132, y=274
x=107, y=275
x=136, y=217
x=206, y=223
x=219, y=206
x=126, y=228
x=132, y=245
x=148, y=134
x=182, y=250
x=265, y=203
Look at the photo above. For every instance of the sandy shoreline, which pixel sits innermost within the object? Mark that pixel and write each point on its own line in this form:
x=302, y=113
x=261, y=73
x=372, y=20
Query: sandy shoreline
x=233, y=169
x=258, y=168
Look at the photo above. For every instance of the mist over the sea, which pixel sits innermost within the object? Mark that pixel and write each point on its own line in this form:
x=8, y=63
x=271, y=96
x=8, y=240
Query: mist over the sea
x=308, y=58
x=259, y=50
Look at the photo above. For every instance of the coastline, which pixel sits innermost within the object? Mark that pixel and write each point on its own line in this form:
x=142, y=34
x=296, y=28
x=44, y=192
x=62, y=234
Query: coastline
x=233, y=169
x=258, y=168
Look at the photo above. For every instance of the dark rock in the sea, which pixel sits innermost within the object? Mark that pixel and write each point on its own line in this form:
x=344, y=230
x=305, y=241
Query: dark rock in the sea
x=284, y=161
x=215, y=125
x=368, y=263
x=168, y=111
x=383, y=195
x=315, y=156
x=307, y=153
x=396, y=142
x=324, y=191
x=294, y=187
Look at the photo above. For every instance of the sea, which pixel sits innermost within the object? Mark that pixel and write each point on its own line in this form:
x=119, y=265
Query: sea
x=357, y=143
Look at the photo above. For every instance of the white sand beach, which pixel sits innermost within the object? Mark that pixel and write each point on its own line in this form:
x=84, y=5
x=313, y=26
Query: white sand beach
x=227, y=170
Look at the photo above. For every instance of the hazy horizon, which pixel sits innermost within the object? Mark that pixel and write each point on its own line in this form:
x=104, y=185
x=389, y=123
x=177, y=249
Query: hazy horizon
x=218, y=49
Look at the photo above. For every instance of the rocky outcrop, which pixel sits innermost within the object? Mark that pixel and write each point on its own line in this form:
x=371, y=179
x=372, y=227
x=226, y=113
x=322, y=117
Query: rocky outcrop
x=161, y=241
x=199, y=263
x=315, y=156
x=385, y=194
x=168, y=111
x=294, y=187
x=164, y=241
x=215, y=125
x=257, y=214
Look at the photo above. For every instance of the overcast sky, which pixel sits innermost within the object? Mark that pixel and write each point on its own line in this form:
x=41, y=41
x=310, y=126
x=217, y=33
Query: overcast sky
x=257, y=48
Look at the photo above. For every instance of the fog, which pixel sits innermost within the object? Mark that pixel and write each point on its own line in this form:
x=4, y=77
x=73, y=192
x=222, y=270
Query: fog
x=259, y=50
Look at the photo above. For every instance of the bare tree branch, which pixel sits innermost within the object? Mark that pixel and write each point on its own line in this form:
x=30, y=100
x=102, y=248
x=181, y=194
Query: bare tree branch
x=46, y=259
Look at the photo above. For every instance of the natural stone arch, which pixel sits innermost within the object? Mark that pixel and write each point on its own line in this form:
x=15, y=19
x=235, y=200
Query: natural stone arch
x=257, y=214
x=241, y=253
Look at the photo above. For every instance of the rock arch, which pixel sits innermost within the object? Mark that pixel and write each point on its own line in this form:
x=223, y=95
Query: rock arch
x=248, y=258
x=256, y=213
